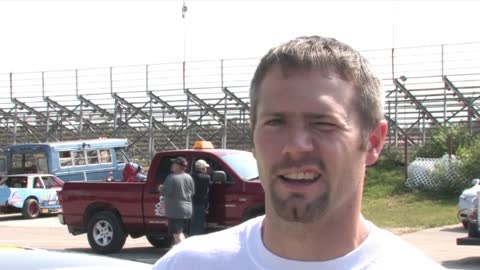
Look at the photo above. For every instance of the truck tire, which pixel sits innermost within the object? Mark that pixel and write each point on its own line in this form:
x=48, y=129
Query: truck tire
x=106, y=233
x=31, y=209
x=160, y=241
x=473, y=230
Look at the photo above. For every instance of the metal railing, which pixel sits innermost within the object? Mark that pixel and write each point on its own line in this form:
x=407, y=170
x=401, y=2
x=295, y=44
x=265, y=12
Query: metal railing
x=169, y=105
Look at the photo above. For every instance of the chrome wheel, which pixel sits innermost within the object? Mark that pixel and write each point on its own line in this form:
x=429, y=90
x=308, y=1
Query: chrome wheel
x=103, y=233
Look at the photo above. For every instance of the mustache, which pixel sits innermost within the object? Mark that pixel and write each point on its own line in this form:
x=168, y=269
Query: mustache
x=288, y=162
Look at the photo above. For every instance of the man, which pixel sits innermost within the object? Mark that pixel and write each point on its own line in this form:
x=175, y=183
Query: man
x=200, y=199
x=178, y=190
x=317, y=123
x=140, y=176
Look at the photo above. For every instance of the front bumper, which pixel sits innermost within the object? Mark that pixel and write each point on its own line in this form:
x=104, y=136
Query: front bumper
x=50, y=210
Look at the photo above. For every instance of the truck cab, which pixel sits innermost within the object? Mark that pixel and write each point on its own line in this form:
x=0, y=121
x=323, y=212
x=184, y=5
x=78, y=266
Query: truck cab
x=235, y=192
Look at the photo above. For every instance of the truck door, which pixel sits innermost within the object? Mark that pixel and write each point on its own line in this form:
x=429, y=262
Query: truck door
x=154, y=209
x=224, y=208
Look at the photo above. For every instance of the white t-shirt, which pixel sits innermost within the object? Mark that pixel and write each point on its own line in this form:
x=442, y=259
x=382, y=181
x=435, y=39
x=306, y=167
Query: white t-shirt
x=241, y=248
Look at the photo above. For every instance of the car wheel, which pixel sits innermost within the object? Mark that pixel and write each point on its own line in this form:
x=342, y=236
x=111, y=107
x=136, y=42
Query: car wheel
x=160, y=241
x=31, y=209
x=106, y=233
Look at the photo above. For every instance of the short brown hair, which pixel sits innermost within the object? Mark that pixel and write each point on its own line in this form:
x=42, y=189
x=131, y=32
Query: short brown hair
x=180, y=161
x=330, y=56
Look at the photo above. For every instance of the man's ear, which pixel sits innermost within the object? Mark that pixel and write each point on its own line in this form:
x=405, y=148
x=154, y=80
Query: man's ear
x=375, y=142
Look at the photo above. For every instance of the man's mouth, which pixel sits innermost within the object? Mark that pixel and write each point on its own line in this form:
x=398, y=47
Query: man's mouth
x=300, y=177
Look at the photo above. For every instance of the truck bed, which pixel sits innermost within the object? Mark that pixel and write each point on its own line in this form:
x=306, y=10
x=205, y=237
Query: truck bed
x=81, y=197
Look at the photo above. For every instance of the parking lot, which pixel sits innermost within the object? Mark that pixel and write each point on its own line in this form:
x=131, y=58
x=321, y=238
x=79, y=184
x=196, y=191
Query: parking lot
x=48, y=233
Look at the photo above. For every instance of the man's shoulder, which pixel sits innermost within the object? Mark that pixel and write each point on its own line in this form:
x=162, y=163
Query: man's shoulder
x=186, y=175
x=209, y=249
x=201, y=176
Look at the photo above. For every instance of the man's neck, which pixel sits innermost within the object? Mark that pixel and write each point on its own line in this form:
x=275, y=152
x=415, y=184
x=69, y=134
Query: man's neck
x=330, y=238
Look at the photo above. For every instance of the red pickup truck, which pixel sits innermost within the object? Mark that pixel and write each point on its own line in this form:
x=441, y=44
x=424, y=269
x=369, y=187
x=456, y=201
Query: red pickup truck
x=110, y=211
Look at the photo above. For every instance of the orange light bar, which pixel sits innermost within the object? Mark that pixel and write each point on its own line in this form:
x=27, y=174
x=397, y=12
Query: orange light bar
x=203, y=145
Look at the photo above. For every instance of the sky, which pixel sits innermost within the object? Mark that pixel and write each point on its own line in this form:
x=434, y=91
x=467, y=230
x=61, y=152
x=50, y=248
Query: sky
x=53, y=35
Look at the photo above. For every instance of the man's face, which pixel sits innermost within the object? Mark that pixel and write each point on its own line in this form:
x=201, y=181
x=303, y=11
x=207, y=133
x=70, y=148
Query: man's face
x=307, y=142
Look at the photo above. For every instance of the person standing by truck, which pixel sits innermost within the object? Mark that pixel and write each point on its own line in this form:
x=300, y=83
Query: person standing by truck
x=200, y=199
x=178, y=190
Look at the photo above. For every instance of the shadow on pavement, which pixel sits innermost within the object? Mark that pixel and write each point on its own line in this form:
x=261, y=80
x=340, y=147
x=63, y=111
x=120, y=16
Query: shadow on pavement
x=469, y=263
x=10, y=217
x=17, y=216
x=458, y=229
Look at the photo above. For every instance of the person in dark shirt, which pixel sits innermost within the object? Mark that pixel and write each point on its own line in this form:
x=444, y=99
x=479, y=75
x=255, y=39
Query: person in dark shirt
x=200, y=199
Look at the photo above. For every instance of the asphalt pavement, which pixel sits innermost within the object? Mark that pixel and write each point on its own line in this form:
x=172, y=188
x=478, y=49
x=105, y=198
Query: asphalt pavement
x=48, y=233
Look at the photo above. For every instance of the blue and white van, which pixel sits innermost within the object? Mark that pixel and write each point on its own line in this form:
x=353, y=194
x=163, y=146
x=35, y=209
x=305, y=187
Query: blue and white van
x=70, y=160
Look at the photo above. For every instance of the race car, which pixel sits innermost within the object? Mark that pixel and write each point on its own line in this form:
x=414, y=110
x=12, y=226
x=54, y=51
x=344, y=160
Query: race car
x=30, y=194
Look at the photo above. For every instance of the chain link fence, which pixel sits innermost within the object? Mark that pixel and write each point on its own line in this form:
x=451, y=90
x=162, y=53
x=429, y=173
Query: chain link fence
x=436, y=174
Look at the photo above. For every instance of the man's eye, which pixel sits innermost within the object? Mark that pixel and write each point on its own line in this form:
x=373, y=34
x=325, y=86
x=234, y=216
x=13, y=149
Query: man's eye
x=274, y=122
x=324, y=124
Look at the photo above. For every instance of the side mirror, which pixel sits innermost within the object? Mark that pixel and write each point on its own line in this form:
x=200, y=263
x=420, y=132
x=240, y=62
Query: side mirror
x=219, y=177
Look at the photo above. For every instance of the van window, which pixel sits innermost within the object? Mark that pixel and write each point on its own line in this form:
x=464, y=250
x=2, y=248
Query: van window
x=29, y=162
x=42, y=164
x=3, y=164
x=92, y=157
x=79, y=158
x=65, y=158
x=120, y=156
x=17, y=161
x=105, y=156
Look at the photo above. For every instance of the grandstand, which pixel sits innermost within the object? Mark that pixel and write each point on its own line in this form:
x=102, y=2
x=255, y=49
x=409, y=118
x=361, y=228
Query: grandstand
x=168, y=106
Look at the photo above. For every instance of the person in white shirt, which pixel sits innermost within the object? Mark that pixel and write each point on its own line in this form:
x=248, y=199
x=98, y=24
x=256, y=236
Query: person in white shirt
x=317, y=122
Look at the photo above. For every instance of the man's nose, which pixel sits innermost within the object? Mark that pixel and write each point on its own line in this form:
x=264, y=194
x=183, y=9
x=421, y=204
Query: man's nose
x=298, y=142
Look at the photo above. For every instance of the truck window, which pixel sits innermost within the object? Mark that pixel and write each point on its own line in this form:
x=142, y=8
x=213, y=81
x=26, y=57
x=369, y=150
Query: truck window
x=244, y=164
x=92, y=157
x=79, y=158
x=214, y=166
x=65, y=158
x=105, y=156
x=163, y=169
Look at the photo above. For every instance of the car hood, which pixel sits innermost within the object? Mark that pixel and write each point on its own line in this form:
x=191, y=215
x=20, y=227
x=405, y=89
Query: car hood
x=38, y=259
x=471, y=192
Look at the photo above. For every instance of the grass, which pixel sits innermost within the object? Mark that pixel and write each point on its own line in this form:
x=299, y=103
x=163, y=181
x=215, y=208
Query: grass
x=389, y=204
